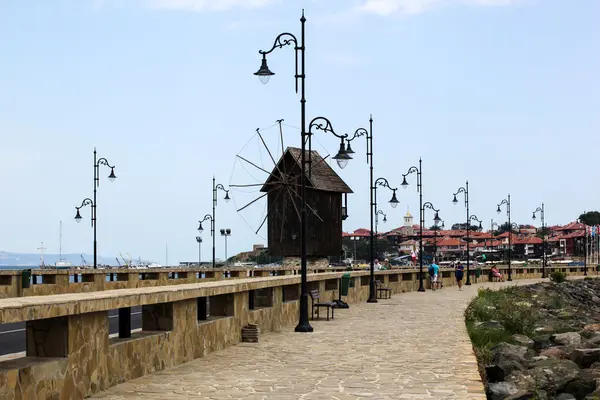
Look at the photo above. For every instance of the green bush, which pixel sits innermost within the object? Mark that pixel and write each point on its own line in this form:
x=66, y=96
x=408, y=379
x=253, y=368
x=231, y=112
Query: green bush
x=558, y=277
x=588, y=278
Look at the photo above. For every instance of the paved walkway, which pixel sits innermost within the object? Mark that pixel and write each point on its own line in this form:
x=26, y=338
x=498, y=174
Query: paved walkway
x=412, y=346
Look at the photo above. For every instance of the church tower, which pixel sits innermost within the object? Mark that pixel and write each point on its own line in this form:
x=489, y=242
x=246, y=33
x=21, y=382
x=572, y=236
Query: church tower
x=408, y=219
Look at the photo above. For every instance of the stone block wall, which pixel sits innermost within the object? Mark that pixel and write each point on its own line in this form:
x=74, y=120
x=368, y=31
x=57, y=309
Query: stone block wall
x=71, y=356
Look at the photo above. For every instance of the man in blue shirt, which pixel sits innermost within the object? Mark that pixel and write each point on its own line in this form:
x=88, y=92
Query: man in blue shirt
x=434, y=271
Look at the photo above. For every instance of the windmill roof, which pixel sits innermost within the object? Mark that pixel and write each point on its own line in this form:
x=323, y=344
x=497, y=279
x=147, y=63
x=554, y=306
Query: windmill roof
x=322, y=177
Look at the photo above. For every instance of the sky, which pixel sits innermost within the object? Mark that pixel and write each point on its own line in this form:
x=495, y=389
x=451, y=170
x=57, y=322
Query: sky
x=504, y=93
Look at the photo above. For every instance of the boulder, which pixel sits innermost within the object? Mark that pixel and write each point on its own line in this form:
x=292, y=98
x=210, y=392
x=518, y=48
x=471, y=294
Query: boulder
x=569, y=339
x=584, y=385
x=528, y=395
x=544, y=330
x=592, y=328
x=553, y=375
x=541, y=342
x=554, y=352
x=565, y=396
x=506, y=358
x=522, y=340
x=585, y=357
x=501, y=390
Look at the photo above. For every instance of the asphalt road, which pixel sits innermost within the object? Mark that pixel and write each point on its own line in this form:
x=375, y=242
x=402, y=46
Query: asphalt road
x=12, y=336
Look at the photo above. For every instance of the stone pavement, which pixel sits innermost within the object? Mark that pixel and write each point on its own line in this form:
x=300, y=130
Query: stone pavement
x=414, y=345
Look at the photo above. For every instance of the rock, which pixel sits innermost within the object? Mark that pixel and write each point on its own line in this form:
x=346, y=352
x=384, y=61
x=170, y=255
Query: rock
x=565, y=396
x=544, y=329
x=541, y=342
x=527, y=395
x=489, y=325
x=585, y=357
x=522, y=340
x=539, y=358
x=570, y=339
x=554, y=352
x=595, y=395
x=506, y=358
x=552, y=375
x=564, y=315
x=501, y=390
x=584, y=385
x=592, y=328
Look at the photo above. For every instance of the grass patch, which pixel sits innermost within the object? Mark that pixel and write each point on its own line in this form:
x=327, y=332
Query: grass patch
x=511, y=312
x=558, y=277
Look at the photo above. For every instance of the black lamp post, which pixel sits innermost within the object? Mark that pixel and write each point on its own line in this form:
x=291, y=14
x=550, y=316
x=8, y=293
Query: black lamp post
x=442, y=226
x=541, y=211
x=213, y=217
x=199, y=240
x=499, y=210
x=465, y=190
x=379, y=212
x=264, y=73
x=373, y=198
x=226, y=233
x=111, y=177
x=492, y=225
x=210, y=218
x=393, y=203
x=436, y=220
x=419, y=172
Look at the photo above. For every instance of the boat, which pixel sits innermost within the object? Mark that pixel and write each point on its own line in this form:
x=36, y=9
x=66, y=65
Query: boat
x=61, y=264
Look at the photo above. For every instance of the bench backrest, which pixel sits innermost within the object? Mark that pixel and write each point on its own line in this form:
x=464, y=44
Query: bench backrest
x=377, y=282
x=314, y=294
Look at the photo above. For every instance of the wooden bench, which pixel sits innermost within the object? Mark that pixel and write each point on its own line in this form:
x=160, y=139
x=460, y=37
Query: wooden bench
x=382, y=292
x=329, y=305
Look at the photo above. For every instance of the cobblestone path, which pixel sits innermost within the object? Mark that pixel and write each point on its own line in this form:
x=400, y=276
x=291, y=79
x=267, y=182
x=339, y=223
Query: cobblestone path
x=412, y=346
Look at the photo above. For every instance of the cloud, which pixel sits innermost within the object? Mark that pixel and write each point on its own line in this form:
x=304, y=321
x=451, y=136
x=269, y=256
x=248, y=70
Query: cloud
x=207, y=5
x=412, y=7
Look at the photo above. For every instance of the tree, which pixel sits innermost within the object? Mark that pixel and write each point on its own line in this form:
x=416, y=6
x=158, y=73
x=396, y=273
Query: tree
x=541, y=232
x=590, y=218
x=463, y=227
x=435, y=228
x=505, y=227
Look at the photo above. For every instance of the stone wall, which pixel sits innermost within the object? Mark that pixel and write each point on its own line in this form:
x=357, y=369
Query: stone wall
x=70, y=354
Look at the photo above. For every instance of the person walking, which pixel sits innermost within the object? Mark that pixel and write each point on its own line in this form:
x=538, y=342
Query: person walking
x=459, y=273
x=434, y=271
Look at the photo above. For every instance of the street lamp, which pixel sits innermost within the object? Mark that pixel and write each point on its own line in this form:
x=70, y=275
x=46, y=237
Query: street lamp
x=393, y=203
x=264, y=74
x=379, y=212
x=213, y=218
x=199, y=240
x=436, y=221
x=543, y=229
x=499, y=210
x=226, y=233
x=465, y=190
x=210, y=218
x=111, y=177
x=419, y=172
x=442, y=226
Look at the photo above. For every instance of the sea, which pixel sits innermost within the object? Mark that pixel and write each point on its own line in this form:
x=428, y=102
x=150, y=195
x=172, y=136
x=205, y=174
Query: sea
x=71, y=278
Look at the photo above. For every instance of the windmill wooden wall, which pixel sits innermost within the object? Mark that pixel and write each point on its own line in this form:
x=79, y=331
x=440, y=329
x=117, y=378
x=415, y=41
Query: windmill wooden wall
x=324, y=195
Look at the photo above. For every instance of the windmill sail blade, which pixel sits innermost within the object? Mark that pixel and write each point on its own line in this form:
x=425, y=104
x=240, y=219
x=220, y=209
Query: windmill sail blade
x=269, y=211
x=254, y=165
x=308, y=205
x=290, y=190
x=269, y=152
x=255, y=184
x=253, y=201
